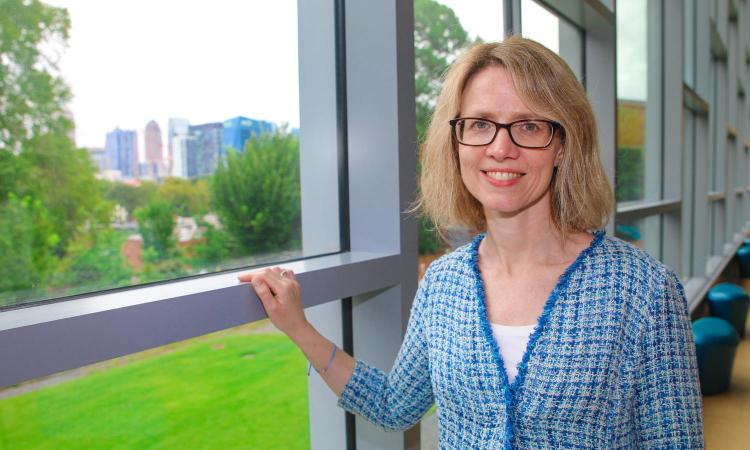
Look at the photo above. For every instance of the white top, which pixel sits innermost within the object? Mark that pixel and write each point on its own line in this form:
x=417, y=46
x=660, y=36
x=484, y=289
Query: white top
x=512, y=341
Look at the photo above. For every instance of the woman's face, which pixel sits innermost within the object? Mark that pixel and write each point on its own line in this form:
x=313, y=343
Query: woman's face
x=503, y=177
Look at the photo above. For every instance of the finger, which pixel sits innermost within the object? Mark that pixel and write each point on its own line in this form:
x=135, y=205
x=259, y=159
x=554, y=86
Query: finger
x=246, y=277
x=287, y=274
x=274, y=280
x=264, y=294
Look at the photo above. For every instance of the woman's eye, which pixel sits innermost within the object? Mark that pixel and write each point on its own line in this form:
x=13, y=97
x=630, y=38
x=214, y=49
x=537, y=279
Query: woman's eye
x=530, y=127
x=479, y=125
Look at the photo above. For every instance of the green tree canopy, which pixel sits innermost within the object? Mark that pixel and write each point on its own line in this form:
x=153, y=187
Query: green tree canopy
x=187, y=198
x=156, y=224
x=49, y=194
x=94, y=262
x=131, y=197
x=438, y=40
x=32, y=94
x=64, y=179
x=26, y=243
x=256, y=193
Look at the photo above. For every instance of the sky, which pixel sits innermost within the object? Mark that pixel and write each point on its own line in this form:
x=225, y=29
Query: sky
x=129, y=62
x=632, y=50
x=483, y=18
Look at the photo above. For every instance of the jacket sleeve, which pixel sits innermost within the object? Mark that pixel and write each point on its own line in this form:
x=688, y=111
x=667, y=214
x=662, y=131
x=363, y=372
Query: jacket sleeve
x=668, y=410
x=396, y=400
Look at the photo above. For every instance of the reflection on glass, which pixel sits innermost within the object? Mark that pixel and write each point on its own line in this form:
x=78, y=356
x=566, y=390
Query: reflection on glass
x=240, y=388
x=556, y=34
x=644, y=233
x=157, y=155
x=638, y=163
x=442, y=30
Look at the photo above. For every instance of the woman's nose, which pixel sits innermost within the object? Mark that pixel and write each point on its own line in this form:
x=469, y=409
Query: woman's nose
x=502, y=147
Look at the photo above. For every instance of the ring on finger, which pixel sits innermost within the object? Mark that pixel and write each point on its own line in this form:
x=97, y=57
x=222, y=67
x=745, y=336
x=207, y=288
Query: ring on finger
x=283, y=273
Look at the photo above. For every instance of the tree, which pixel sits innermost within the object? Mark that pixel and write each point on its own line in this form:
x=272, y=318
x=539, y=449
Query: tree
x=94, y=262
x=438, y=40
x=187, y=198
x=32, y=94
x=217, y=246
x=44, y=178
x=156, y=225
x=64, y=179
x=131, y=197
x=256, y=193
x=26, y=244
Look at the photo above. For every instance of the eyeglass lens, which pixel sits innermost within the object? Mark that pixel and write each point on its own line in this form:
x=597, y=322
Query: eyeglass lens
x=527, y=133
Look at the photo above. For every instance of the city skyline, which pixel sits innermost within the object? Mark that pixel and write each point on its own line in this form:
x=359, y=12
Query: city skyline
x=185, y=60
x=191, y=150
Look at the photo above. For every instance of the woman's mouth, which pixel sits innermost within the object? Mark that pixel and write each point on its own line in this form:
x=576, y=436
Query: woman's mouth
x=503, y=176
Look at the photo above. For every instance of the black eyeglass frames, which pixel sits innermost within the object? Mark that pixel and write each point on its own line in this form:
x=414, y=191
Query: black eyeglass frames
x=526, y=133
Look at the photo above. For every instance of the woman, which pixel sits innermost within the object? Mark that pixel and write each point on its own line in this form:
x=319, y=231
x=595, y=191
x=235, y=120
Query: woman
x=542, y=332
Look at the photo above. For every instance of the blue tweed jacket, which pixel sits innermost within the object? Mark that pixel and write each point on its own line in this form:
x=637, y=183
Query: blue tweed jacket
x=611, y=363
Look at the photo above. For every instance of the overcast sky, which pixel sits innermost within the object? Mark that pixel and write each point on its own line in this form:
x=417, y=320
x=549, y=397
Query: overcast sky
x=132, y=61
x=632, y=50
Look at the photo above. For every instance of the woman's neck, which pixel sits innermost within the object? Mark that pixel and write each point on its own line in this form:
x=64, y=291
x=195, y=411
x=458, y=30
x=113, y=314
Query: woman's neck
x=527, y=241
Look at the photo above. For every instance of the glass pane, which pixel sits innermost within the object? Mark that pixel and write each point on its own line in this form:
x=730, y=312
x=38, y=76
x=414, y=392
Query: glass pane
x=240, y=388
x=163, y=147
x=442, y=30
x=557, y=34
x=638, y=174
x=644, y=233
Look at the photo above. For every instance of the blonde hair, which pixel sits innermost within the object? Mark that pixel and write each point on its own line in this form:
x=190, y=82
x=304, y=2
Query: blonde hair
x=581, y=195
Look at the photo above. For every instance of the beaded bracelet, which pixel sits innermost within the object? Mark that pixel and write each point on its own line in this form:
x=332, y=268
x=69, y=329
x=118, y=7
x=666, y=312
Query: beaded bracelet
x=328, y=366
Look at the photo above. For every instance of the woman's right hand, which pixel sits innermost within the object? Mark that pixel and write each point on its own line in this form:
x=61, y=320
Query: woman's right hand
x=279, y=292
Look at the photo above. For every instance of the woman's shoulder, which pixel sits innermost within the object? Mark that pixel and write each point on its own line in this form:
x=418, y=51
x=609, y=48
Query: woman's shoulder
x=631, y=264
x=455, y=263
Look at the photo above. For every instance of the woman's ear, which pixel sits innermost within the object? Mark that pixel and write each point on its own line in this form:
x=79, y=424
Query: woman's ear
x=558, y=155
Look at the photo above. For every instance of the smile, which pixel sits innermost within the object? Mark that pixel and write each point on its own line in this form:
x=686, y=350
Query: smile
x=503, y=176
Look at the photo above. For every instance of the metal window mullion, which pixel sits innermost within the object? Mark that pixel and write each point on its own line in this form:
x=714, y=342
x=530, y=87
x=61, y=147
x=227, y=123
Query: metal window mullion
x=381, y=123
x=672, y=176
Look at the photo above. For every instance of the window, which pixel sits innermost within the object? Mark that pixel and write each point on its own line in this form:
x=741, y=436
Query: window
x=639, y=105
x=554, y=32
x=463, y=24
x=178, y=153
x=238, y=388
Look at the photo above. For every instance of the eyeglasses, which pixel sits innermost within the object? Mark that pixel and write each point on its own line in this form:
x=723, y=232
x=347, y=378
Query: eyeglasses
x=537, y=133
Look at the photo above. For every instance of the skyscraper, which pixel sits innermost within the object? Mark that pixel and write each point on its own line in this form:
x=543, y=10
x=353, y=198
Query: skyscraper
x=154, y=151
x=239, y=129
x=203, y=149
x=179, y=155
x=122, y=152
x=176, y=127
x=99, y=158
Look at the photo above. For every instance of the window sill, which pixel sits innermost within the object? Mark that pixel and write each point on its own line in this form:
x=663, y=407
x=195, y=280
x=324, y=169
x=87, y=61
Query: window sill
x=40, y=340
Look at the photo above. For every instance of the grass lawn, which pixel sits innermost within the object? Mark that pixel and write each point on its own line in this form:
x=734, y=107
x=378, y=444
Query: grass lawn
x=225, y=391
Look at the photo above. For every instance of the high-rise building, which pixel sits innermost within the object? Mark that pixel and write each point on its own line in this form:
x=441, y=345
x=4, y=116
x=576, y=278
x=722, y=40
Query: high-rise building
x=239, y=129
x=176, y=127
x=122, y=152
x=155, y=167
x=99, y=158
x=203, y=149
x=179, y=156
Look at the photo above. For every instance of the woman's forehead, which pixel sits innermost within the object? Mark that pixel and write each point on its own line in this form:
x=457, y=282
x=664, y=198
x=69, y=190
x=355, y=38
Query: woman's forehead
x=491, y=93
